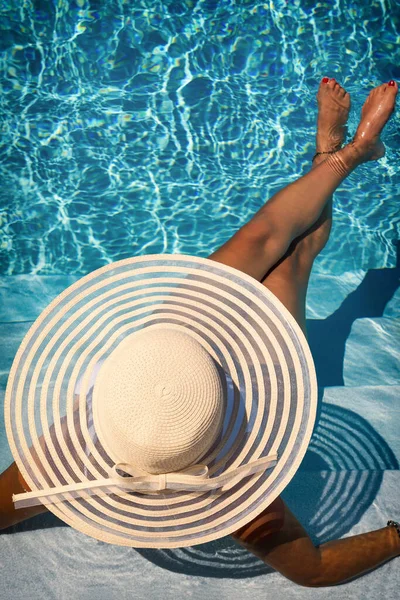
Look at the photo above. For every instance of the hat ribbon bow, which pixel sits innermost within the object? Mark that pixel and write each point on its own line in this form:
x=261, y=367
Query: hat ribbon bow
x=192, y=479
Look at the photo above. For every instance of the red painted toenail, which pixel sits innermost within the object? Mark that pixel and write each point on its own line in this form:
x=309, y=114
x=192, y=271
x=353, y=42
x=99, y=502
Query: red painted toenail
x=325, y=80
x=391, y=82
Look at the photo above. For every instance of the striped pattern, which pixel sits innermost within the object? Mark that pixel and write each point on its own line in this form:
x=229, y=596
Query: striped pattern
x=266, y=369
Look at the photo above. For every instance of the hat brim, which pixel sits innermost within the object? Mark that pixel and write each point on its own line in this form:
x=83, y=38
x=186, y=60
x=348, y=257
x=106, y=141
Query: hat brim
x=269, y=378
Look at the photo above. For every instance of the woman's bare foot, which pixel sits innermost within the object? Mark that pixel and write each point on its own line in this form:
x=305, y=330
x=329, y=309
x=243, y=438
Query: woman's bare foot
x=375, y=113
x=333, y=111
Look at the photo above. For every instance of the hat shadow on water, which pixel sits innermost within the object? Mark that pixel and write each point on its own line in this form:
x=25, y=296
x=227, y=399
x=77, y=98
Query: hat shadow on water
x=337, y=481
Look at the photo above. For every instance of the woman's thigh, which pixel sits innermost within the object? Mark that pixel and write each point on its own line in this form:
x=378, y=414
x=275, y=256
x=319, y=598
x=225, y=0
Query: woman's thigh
x=287, y=279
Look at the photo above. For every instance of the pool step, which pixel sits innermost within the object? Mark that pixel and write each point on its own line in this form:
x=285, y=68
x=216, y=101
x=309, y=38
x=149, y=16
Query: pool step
x=372, y=355
x=363, y=352
x=354, y=295
x=23, y=297
x=357, y=429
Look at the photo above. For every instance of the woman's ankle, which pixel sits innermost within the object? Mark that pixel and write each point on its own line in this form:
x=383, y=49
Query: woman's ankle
x=345, y=160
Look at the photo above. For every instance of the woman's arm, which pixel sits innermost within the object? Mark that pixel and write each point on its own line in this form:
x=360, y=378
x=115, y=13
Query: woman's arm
x=12, y=482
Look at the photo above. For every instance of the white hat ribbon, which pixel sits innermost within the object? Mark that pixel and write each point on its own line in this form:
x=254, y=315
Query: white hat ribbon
x=193, y=478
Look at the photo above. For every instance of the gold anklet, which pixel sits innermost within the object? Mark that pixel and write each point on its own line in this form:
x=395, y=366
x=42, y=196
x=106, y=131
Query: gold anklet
x=329, y=152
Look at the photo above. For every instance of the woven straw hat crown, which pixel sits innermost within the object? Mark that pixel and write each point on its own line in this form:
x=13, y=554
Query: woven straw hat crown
x=158, y=401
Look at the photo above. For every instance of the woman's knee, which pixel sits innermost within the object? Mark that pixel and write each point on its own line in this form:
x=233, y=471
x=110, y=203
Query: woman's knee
x=11, y=482
x=281, y=542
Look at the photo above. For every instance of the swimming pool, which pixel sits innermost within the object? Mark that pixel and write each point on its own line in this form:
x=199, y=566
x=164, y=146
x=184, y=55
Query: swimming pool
x=144, y=127
x=138, y=126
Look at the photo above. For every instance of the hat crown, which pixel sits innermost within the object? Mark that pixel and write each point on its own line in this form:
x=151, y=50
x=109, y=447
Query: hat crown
x=158, y=401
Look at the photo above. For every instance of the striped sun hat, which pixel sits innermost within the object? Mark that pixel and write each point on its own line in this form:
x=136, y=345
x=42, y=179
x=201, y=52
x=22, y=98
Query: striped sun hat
x=161, y=401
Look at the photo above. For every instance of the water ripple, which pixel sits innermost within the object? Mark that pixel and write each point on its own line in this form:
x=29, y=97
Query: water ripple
x=137, y=127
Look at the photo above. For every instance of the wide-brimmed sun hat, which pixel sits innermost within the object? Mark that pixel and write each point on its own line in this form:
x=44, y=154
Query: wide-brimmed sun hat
x=160, y=401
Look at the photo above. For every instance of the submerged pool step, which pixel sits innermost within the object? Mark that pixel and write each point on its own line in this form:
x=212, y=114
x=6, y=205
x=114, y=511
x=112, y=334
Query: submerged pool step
x=353, y=325
x=372, y=355
x=23, y=297
x=354, y=295
x=357, y=428
x=354, y=336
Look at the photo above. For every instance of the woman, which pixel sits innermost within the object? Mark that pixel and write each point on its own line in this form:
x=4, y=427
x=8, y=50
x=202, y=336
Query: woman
x=277, y=247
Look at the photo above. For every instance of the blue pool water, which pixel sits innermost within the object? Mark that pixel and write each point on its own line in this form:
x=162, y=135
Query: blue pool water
x=133, y=127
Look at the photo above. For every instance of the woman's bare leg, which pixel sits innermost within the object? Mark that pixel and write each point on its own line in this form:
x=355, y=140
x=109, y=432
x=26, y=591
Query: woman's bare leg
x=288, y=278
x=265, y=239
x=276, y=536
